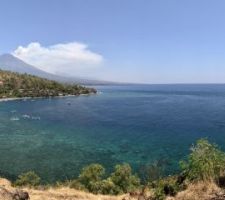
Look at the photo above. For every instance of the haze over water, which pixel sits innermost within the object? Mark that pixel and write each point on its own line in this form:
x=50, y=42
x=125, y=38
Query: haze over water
x=138, y=124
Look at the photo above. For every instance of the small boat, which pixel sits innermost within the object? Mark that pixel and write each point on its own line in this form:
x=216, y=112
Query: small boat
x=26, y=116
x=14, y=119
x=36, y=118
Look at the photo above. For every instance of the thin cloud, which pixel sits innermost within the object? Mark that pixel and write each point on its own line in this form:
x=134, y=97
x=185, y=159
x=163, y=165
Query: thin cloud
x=68, y=58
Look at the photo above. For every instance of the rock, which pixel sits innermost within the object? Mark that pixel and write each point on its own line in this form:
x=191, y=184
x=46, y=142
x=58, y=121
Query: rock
x=15, y=195
x=20, y=195
x=221, y=182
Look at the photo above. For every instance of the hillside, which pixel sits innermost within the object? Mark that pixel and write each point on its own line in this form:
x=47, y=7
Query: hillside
x=10, y=63
x=15, y=85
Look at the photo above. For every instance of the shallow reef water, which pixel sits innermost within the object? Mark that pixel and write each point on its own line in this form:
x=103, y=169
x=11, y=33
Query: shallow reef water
x=137, y=124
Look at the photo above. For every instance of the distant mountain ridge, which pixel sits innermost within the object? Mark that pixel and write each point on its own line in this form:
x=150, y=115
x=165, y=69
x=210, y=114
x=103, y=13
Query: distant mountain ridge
x=11, y=63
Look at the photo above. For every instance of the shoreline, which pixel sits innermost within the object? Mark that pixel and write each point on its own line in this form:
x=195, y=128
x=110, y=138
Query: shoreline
x=13, y=99
x=50, y=97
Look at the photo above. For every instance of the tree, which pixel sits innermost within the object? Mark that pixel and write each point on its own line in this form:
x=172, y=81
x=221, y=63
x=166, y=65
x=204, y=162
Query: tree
x=123, y=179
x=91, y=177
x=28, y=179
x=206, y=162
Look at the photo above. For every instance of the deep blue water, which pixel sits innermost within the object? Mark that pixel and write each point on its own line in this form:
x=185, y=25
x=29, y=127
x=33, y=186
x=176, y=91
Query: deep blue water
x=138, y=124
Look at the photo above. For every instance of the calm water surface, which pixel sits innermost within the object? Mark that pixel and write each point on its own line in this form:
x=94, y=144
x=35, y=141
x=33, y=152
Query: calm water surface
x=134, y=124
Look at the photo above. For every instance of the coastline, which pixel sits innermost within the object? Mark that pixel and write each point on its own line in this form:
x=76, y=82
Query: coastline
x=13, y=99
x=28, y=98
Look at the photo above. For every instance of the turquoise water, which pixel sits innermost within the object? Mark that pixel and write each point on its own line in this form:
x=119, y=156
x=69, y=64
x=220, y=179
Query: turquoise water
x=134, y=124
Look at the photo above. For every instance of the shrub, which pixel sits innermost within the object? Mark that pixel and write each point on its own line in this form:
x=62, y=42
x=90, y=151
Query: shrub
x=75, y=184
x=123, y=179
x=95, y=187
x=206, y=162
x=152, y=172
x=166, y=187
x=91, y=177
x=108, y=187
x=30, y=179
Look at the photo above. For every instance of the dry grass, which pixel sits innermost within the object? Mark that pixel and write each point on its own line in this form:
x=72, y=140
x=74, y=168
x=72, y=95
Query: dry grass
x=5, y=184
x=63, y=193
x=67, y=194
x=198, y=191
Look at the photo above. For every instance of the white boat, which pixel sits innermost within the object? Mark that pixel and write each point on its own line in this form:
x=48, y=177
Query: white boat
x=14, y=118
x=36, y=118
x=26, y=116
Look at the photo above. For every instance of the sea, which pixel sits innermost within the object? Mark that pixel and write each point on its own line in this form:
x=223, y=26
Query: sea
x=136, y=124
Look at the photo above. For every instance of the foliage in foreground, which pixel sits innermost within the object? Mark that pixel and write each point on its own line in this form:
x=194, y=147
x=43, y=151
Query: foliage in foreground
x=30, y=179
x=120, y=181
x=91, y=178
x=205, y=163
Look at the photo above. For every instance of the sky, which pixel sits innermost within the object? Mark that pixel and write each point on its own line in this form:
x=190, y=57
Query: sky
x=140, y=41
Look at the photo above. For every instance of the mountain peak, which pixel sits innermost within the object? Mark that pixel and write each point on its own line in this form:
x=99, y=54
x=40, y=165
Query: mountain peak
x=11, y=63
x=9, y=59
x=7, y=56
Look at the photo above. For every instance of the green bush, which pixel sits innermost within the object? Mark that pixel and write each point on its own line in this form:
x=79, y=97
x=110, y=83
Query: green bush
x=166, y=187
x=159, y=193
x=30, y=179
x=124, y=180
x=154, y=171
x=206, y=162
x=121, y=180
x=75, y=184
x=91, y=177
x=108, y=187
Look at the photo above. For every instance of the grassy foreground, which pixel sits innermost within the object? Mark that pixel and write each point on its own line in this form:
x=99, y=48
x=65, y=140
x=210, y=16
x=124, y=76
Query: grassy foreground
x=202, y=177
x=196, y=191
x=52, y=193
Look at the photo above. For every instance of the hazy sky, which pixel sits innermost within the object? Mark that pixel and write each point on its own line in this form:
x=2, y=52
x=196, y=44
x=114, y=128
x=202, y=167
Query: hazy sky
x=160, y=41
